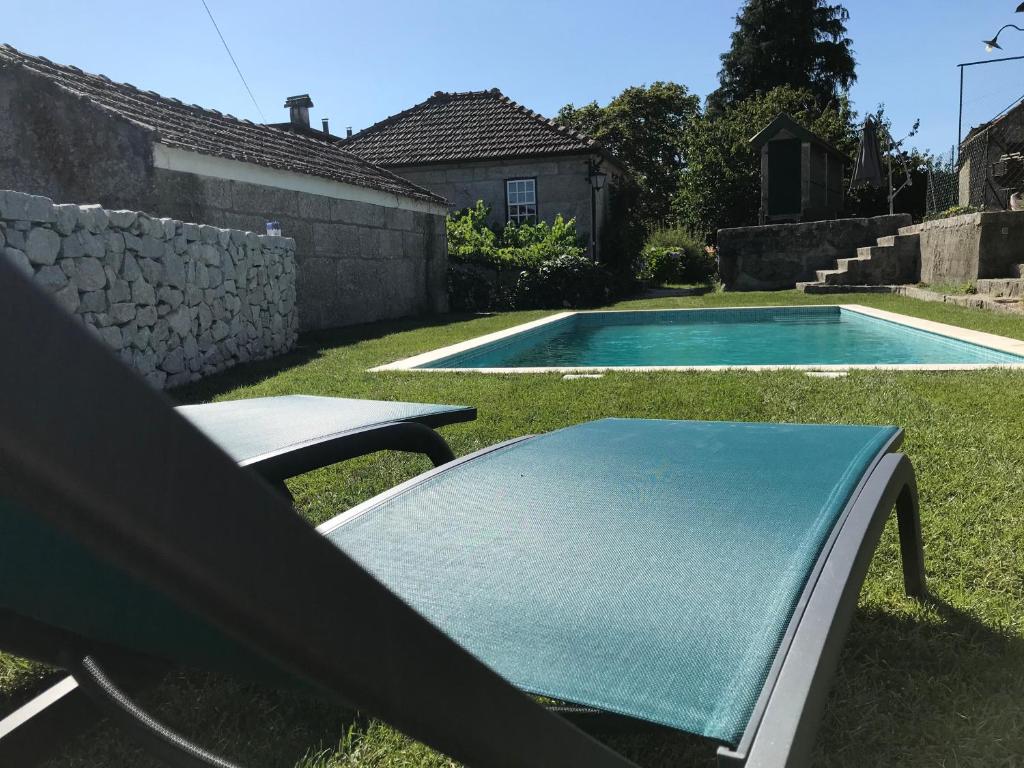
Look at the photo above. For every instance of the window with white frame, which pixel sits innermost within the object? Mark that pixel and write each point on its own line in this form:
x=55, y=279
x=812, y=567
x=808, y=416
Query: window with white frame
x=521, y=200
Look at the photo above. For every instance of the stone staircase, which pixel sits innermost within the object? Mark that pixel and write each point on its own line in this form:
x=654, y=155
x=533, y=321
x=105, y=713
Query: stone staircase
x=895, y=259
x=1003, y=292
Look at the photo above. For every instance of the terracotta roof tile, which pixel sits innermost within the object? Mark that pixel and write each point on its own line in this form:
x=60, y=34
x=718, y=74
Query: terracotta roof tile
x=474, y=125
x=209, y=132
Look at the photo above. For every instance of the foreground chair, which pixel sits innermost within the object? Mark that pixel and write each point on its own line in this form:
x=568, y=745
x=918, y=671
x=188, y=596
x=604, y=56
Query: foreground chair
x=697, y=575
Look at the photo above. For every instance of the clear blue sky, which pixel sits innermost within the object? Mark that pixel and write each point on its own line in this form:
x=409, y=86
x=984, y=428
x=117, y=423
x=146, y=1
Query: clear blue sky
x=362, y=61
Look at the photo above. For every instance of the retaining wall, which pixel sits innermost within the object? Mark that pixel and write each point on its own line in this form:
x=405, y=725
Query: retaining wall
x=975, y=245
x=778, y=256
x=176, y=301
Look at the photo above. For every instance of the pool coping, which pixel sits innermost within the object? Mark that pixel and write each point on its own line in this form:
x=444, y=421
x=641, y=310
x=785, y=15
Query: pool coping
x=979, y=338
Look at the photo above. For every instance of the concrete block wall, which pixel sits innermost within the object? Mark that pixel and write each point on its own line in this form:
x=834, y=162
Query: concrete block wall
x=176, y=301
x=56, y=144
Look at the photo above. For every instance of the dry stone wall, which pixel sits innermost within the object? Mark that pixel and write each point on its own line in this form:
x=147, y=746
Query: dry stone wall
x=176, y=301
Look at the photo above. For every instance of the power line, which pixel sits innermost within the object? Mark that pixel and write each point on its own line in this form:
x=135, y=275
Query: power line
x=237, y=69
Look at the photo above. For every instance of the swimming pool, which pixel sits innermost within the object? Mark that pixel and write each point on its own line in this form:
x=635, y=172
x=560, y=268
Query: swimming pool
x=832, y=337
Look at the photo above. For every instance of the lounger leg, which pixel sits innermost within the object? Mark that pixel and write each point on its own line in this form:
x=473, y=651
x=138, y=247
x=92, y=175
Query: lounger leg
x=38, y=729
x=908, y=519
x=160, y=740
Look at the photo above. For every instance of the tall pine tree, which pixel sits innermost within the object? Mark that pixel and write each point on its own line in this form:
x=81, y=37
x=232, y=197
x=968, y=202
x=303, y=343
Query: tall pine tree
x=799, y=43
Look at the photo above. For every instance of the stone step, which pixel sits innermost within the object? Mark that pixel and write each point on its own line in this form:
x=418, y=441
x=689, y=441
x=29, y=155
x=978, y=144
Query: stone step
x=906, y=240
x=853, y=263
x=1009, y=287
x=828, y=288
x=913, y=229
x=893, y=260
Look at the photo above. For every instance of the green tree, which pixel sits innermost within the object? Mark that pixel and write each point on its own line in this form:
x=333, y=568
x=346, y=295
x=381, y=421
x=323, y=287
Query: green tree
x=799, y=43
x=721, y=184
x=644, y=127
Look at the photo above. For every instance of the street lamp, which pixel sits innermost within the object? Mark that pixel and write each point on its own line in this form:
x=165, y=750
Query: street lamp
x=991, y=45
x=597, y=181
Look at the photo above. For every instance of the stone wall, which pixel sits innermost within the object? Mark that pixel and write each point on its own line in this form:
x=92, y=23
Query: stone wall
x=778, y=256
x=972, y=246
x=176, y=301
x=358, y=261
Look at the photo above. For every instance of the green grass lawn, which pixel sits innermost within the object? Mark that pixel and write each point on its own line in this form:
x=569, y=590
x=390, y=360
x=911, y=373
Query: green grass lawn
x=940, y=684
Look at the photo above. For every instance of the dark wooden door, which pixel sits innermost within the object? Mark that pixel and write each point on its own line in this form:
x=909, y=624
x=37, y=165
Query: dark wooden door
x=784, y=177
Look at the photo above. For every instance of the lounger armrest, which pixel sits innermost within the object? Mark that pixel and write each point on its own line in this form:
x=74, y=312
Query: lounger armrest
x=406, y=436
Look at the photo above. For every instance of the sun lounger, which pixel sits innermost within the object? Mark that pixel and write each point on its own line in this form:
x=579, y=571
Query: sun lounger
x=695, y=575
x=280, y=437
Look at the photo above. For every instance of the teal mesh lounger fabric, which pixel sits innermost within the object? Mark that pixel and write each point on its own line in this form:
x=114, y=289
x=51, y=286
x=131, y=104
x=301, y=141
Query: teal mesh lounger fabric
x=647, y=568
x=248, y=429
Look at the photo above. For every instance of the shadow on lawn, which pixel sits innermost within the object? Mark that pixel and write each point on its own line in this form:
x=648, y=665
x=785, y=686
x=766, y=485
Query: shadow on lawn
x=925, y=692
x=908, y=692
x=309, y=347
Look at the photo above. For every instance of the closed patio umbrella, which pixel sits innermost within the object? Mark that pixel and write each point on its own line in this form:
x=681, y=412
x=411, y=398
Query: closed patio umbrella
x=868, y=167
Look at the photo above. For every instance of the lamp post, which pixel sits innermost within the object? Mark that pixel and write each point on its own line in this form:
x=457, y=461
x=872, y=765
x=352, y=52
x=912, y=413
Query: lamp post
x=597, y=180
x=990, y=45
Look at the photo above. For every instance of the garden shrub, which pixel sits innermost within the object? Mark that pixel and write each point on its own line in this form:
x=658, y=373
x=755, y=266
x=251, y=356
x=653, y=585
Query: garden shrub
x=470, y=290
x=472, y=240
x=564, y=281
x=517, y=267
x=674, y=256
x=469, y=237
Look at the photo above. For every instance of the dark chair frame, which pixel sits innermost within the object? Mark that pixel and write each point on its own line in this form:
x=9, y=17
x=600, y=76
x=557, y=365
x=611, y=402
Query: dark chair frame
x=206, y=544
x=411, y=435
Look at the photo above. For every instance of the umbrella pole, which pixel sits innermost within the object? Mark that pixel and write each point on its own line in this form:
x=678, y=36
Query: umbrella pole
x=891, y=194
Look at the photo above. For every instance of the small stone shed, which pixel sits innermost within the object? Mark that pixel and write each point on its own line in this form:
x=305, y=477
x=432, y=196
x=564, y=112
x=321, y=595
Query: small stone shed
x=801, y=173
x=369, y=244
x=481, y=145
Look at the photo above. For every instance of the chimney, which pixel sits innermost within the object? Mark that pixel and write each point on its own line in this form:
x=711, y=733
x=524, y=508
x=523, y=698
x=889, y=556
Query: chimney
x=323, y=121
x=348, y=132
x=298, y=110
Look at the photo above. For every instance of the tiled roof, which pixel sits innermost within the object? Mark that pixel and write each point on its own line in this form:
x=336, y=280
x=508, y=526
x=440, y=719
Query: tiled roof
x=475, y=125
x=209, y=132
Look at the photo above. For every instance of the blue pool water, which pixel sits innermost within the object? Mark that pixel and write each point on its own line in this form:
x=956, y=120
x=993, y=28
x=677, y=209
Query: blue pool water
x=773, y=336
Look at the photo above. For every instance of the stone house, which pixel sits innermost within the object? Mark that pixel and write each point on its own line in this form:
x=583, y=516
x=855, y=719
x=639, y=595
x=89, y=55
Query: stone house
x=481, y=145
x=369, y=244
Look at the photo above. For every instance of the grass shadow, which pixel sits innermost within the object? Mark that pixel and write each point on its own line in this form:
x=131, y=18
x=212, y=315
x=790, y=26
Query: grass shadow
x=942, y=689
x=310, y=346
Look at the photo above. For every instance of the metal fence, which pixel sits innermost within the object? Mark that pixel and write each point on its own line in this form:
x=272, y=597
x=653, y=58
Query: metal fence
x=986, y=172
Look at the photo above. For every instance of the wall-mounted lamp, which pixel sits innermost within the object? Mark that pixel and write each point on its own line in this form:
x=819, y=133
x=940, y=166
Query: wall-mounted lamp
x=597, y=180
